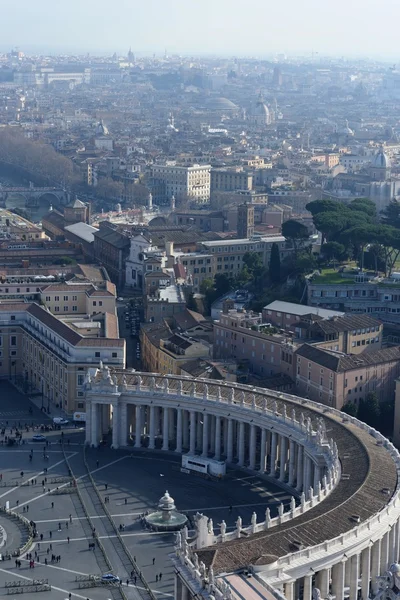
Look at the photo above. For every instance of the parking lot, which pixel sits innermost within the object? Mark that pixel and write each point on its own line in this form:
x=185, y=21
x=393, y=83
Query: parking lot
x=130, y=315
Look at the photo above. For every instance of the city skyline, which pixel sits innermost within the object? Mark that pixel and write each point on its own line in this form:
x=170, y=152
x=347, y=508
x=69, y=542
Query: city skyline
x=221, y=28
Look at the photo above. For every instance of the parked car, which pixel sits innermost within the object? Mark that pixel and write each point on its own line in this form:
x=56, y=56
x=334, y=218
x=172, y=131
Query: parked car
x=38, y=437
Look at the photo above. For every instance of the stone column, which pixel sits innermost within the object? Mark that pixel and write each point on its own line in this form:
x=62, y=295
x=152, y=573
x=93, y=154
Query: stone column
x=365, y=572
x=229, y=453
x=252, y=452
x=192, y=432
x=138, y=426
x=322, y=582
x=392, y=543
x=338, y=581
x=282, y=457
x=263, y=455
x=205, y=436
x=241, y=444
x=217, y=438
x=397, y=542
x=289, y=590
x=88, y=428
x=292, y=461
x=212, y=433
x=123, y=421
x=152, y=442
x=165, y=429
x=375, y=565
x=355, y=563
x=317, y=477
x=199, y=433
x=307, y=475
x=385, y=552
x=115, y=426
x=95, y=424
x=299, y=468
x=307, y=592
x=272, y=466
x=179, y=431
x=171, y=425
x=186, y=428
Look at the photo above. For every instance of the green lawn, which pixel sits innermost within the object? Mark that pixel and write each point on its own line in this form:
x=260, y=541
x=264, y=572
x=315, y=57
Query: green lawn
x=331, y=276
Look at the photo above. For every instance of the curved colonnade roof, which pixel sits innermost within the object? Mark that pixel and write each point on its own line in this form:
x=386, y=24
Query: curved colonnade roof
x=368, y=467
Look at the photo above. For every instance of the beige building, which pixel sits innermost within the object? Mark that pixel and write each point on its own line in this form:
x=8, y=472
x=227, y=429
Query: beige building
x=335, y=378
x=66, y=299
x=184, y=182
x=45, y=354
x=229, y=180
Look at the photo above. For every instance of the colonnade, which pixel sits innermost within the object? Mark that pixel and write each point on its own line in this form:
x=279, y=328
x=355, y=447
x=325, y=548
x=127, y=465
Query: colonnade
x=208, y=435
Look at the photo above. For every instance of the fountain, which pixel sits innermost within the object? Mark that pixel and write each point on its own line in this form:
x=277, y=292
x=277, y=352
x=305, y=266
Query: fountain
x=167, y=518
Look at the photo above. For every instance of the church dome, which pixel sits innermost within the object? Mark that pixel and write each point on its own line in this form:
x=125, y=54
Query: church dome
x=261, y=109
x=221, y=104
x=381, y=160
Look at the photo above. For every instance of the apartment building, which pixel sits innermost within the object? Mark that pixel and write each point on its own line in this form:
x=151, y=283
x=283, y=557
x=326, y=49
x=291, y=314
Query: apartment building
x=229, y=180
x=379, y=297
x=164, y=351
x=183, y=181
x=286, y=315
x=335, y=378
x=51, y=356
x=242, y=336
x=79, y=298
x=111, y=249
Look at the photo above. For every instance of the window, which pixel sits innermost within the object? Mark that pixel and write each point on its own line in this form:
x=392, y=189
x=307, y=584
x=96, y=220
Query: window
x=100, y=302
x=97, y=354
x=81, y=379
x=57, y=298
x=114, y=355
x=65, y=298
x=13, y=340
x=56, y=309
x=94, y=303
x=12, y=317
x=65, y=308
x=74, y=309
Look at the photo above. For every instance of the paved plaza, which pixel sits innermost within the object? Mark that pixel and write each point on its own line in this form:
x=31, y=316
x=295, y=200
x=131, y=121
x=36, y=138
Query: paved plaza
x=135, y=482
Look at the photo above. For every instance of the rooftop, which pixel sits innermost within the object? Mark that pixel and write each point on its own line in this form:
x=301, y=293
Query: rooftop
x=301, y=310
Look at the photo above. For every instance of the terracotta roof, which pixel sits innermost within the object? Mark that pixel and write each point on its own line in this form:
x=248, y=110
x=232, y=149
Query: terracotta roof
x=188, y=319
x=345, y=323
x=68, y=334
x=179, y=271
x=340, y=363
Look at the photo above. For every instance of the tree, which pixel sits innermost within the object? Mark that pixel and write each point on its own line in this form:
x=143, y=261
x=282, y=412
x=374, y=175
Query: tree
x=275, y=264
x=391, y=214
x=108, y=189
x=253, y=262
x=206, y=285
x=321, y=206
x=222, y=284
x=333, y=251
x=350, y=409
x=364, y=205
x=369, y=410
x=296, y=233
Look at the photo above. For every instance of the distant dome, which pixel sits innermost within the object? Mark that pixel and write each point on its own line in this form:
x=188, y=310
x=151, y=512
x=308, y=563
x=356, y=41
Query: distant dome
x=381, y=160
x=221, y=104
x=260, y=114
x=261, y=109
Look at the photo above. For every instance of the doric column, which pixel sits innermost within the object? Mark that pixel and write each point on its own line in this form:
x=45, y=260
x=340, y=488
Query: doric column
x=241, y=444
x=355, y=566
x=392, y=542
x=165, y=445
x=88, y=428
x=115, y=426
x=212, y=434
x=282, y=457
x=138, y=426
x=252, y=453
x=299, y=468
x=199, y=433
x=307, y=592
x=397, y=542
x=385, y=552
x=289, y=590
x=263, y=454
x=123, y=422
x=179, y=431
x=292, y=462
x=192, y=432
x=217, y=438
x=317, y=477
x=375, y=565
x=152, y=428
x=205, y=436
x=171, y=426
x=272, y=466
x=186, y=428
x=322, y=582
x=365, y=572
x=338, y=581
x=95, y=424
x=229, y=453
x=307, y=475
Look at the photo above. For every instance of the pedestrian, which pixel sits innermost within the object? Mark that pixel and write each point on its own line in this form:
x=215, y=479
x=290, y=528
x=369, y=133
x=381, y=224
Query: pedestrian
x=70, y=518
x=51, y=546
x=59, y=526
x=27, y=508
x=230, y=509
x=126, y=500
x=70, y=596
x=97, y=464
x=106, y=486
x=154, y=560
x=160, y=576
x=45, y=561
x=127, y=582
x=17, y=502
x=38, y=546
x=52, y=505
x=48, y=550
x=41, y=536
x=134, y=558
x=68, y=539
x=134, y=579
x=156, y=578
x=66, y=524
x=51, y=534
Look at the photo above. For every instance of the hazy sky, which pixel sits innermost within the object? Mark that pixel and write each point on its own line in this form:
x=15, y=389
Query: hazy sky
x=230, y=27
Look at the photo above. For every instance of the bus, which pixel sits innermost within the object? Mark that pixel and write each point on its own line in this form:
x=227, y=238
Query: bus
x=192, y=462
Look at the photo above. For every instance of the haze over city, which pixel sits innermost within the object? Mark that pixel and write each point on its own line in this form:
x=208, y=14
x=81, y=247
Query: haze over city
x=224, y=27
